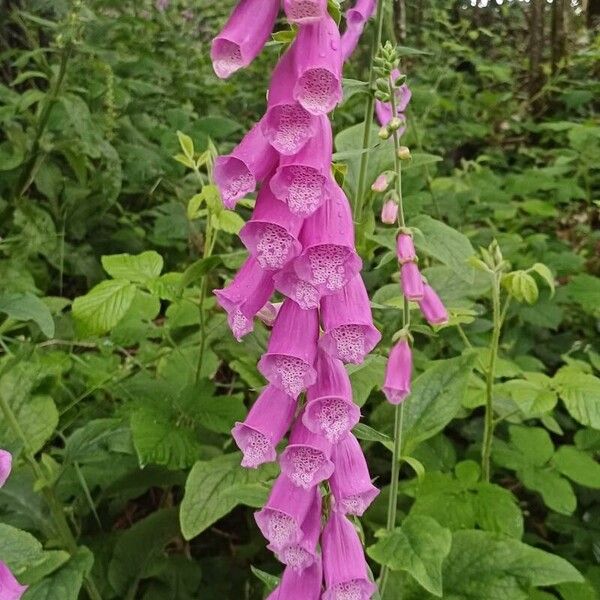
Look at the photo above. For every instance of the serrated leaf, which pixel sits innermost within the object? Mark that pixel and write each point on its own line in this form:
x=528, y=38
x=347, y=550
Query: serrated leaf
x=578, y=466
x=27, y=307
x=580, y=393
x=138, y=268
x=186, y=143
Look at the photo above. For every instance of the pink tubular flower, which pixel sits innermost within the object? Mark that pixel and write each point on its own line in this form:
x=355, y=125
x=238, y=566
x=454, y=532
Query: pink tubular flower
x=432, y=307
x=10, y=589
x=243, y=36
x=389, y=212
x=405, y=249
x=288, y=282
x=250, y=289
x=286, y=125
x=301, y=179
x=344, y=564
x=348, y=324
x=288, y=363
x=351, y=483
x=267, y=422
x=271, y=235
x=304, y=585
x=384, y=109
x=280, y=521
x=268, y=313
x=237, y=174
x=356, y=19
x=5, y=467
x=306, y=459
x=303, y=553
x=318, y=57
x=412, y=282
x=305, y=11
x=398, y=372
x=330, y=410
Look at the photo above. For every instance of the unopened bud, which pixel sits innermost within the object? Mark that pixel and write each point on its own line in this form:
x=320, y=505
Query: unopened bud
x=389, y=212
x=384, y=133
x=395, y=123
x=404, y=153
x=383, y=181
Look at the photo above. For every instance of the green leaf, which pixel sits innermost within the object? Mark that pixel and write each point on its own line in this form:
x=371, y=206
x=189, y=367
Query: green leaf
x=418, y=547
x=420, y=159
x=228, y=221
x=215, y=487
x=580, y=393
x=27, y=307
x=577, y=466
x=546, y=274
x=200, y=268
x=364, y=432
x=366, y=377
x=270, y=581
x=585, y=290
x=137, y=268
x=186, y=143
x=103, y=306
x=556, y=491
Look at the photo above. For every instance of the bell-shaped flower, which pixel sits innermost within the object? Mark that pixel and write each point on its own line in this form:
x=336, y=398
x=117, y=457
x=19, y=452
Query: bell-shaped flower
x=280, y=520
x=411, y=281
x=405, y=248
x=10, y=588
x=305, y=11
x=5, y=466
x=344, y=565
x=389, y=212
x=330, y=410
x=267, y=422
x=237, y=174
x=349, y=333
x=249, y=291
x=300, y=585
x=288, y=362
x=242, y=38
x=305, y=460
x=398, y=372
x=432, y=307
x=301, y=180
x=271, y=234
x=351, y=483
x=318, y=57
x=289, y=283
x=286, y=125
x=383, y=110
x=356, y=19
x=303, y=553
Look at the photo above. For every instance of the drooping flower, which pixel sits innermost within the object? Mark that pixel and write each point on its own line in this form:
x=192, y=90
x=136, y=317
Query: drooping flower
x=243, y=36
x=405, y=249
x=330, y=410
x=351, y=483
x=305, y=460
x=301, y=179
x=344, y=565
x=318, y=57
x=237, y=174
x=348, y=323
x=398, y=372
x=249, y=291
x=288, y=282
x=10, y=588
x=383, y=110
x=432, y=307
x=305, y=11
x=288, y=362
x=304, y=585
x=389, y=212
x=264, y=427
x=356, y=19
x=5, y=466
x=280, y=521
x=271, y=234
x=411, y=281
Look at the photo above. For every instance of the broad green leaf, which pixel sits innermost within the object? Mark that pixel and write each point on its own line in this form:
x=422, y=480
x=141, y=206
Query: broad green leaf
x=103, y=306
x=27, y=307
x=270, y=581
x=96, y=440
x=581, y=394
x=419, y=547
x=133, y=267
x=229, y=222
x=420, y=159
x=367, y=376
x=578, y=466
x=364, y=432
x=186, y=143
x=214, y=488
x=585, y=290
x=554, y=489
x=546, y=274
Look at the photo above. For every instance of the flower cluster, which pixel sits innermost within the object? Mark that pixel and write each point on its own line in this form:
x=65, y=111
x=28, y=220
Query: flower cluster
x=300, y=240
x=10, y=588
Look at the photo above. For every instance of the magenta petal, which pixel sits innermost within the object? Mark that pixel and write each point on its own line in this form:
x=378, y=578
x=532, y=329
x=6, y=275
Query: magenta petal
x=384, y=109
x=344, y=565
x=405, y=248
x=356, y=19
x=288, y=363
x=10, y=589
x=351, y=483
x=271, y=235
x=237, y=174
x=411, y=281
x=280, y=521
x=348, y=324
x=432, y=307
x=329, y=259
x=288, y=282
x=301, y=179
x=267, y=422
x=300, y=585
x=306, y=459
x=305, y=11
x=5, y=466
x=330, y=410
x=398, y=372
x=286, y=125
x=249, y=291
x=389, y=212
x=243, y=36
x=318, y=57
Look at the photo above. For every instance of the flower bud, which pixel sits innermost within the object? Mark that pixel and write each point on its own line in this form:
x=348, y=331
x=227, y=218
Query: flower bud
x=405, y=249
x=398, y=372
x=382, y=182
x=395, y=124
x=432, y=307
x=384, y=133
x=403, y=153
x=389, y=212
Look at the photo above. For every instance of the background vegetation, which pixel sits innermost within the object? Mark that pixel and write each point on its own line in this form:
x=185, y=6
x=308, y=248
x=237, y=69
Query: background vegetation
x=119, y=380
